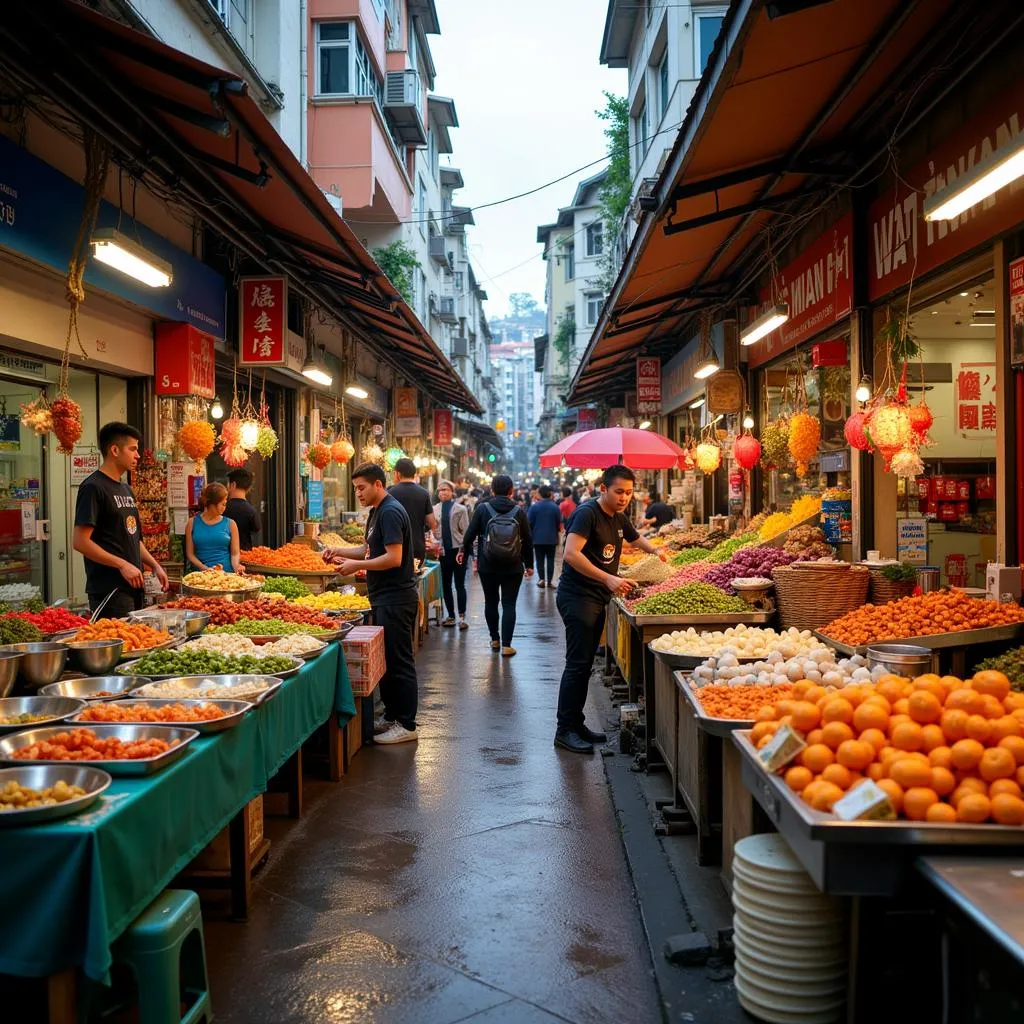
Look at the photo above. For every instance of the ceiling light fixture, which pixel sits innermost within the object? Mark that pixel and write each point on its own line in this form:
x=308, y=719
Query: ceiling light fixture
x=645, y=425
x=217, y=410
x=982, y=323
x=708, y=367
x=697, y=404
x=863, y=392
x=963, y=295
x=984, y=179
x=765, y=324
x=314, y=369
x=130, y=257
x=357, y=391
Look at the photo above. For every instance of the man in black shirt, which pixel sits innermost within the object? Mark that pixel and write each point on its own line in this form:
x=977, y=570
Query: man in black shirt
x=393, y=593
x=417, y=504
x=589, y=579
x=241, y=510
x=108, y=532
x=658, y=514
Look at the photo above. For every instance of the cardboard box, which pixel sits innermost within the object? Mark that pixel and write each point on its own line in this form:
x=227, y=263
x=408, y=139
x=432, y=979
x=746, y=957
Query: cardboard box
x=364, y=655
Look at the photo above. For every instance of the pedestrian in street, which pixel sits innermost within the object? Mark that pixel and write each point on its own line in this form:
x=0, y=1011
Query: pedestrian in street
x=567, y=506
x=211, y=538
x=241, y=510
x=505, y=555
x=545, y=526
x=394, y=599
x=588, y=581
x=417, y=504
x=453, y=518
x=108, y=533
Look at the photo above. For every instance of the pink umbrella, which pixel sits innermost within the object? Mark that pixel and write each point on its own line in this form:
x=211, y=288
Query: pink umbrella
x=597, y=449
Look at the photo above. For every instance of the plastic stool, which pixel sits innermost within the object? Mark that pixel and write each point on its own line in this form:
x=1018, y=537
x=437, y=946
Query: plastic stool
x=164, y=948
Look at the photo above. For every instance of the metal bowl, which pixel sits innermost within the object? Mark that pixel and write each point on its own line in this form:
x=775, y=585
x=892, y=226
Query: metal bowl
x=233, y=712
x=901, y=659
x=90, y=689
x=42, y=776
x=213, y=687
x=181, y=622
x=95, y=657
x=40, y=664
x=225, y=595
x=56, y=709
x=9, y=662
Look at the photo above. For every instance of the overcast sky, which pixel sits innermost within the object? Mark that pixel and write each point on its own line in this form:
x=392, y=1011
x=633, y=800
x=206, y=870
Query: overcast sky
x=526, y=79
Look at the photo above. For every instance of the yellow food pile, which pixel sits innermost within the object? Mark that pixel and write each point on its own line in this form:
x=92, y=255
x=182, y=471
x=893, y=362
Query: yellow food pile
x=334, y=602
x=778, y=522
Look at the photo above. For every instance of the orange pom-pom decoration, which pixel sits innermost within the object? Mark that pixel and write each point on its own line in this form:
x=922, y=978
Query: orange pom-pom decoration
x=196, y=439
x=318, y=454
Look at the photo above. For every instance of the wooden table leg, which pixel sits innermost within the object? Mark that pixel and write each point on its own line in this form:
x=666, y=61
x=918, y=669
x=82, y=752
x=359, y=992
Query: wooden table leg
x=241, y=877
x=293, y=769
x=335, y=749
x=61, y=997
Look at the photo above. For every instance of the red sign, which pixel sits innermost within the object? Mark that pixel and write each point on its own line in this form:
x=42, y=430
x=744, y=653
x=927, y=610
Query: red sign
x=184, y=361
x=975, y=397
x=442, y=427
x=648, y=384
x=903, y=243
x=262, y=321
x=818, y=287
x=1017, y=312
x=586, y=419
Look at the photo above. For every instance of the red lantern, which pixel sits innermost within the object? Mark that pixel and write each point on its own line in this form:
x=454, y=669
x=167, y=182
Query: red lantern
x=686, y=459
x=854, y=432
x=921, y=419
x=746, y=450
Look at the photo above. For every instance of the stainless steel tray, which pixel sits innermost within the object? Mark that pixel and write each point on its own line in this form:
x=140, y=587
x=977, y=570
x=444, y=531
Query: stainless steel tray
x=287, y=673
x=55, y=708
x=936, y=641
x=235, y=711
x=42, y=776
x=269, y=570
x=141, y=766
x=86, y=687
x=724, y=727
x=208, y=686
x=223, y=595
x=725, y=619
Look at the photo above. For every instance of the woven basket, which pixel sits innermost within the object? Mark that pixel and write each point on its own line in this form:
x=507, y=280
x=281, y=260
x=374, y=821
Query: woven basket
x=811, y=598
x=882, y=591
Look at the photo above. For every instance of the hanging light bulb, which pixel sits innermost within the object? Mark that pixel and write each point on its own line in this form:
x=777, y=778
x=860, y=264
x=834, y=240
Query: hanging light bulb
x=863, y=392
x=748, y=420
x=217, y=410
x=442, y=465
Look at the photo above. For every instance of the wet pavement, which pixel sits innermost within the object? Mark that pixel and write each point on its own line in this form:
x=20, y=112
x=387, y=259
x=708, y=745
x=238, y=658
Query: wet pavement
x=477, y=875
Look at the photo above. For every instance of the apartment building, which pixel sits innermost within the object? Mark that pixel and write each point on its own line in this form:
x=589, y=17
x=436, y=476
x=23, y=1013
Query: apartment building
x=516, y=393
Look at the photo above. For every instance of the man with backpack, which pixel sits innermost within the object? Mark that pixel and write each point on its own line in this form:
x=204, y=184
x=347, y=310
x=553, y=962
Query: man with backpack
x=505, y=555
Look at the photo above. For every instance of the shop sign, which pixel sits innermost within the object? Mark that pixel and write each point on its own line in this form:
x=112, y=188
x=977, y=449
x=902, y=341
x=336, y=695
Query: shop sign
x=294, y=351
x=408, y=426
x=725, y=392
x=903, y=244
x=177, y=484
x=83, y=465
x=40, y=210
x=586, y=419
x=407, y=413
x=442, y=427
x=974, y=396
x=262, y=320
x=184, y=361
x=678, y=384
x=648, y=384
x=912, y=540
x=19, y=364
x=818, y=285
x=315, y=499
x=1017, y=312
x=28, y=520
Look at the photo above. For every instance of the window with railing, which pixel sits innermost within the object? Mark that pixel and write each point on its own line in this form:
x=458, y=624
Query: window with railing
x=344, y=67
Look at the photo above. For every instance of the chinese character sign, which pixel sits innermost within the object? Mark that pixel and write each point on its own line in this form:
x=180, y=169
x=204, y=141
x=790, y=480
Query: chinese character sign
x=974, y=396
x=184, y=361
x=1017, y=312
x=262, y=321
x=648, y=384
x=442, y=427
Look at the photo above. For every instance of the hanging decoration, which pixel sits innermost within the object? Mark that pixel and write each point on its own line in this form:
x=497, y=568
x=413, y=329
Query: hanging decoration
x=906, y=463
x=342, y=448
x=391, y=456
x=196, y=438
x=708, y=456
x=372, y=452
x=232, y=451
x=746, y=450
x=888, y=428
x=249, y=431
x=775, y=443
x=921, y=420
x=37, y=416
x=318, y=455
x=804, y=438
x=855, y=433
x=266, y=439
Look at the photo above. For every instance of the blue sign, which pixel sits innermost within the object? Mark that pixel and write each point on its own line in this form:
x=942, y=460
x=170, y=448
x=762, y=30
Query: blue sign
x=40, y=210
x=315, y=499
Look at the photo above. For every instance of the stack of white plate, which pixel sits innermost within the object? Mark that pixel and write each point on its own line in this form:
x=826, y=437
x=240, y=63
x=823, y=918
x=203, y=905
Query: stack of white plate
x=791, y=956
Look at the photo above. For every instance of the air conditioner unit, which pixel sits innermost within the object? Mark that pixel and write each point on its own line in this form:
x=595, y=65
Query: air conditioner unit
x=460, y=347
x=402, y=88
x=447, y=313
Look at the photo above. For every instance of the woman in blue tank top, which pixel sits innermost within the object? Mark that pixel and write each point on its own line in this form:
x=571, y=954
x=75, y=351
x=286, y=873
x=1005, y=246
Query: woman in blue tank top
x=211, y=539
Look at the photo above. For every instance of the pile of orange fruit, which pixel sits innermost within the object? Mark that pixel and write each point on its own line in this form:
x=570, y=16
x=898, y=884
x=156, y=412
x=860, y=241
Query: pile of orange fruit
x=940, y=611
x=291, y=556
x=943, y=749
x=136, y=635
x=736, y=702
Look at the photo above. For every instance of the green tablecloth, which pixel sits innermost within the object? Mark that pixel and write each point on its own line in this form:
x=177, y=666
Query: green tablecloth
x=71, y=888
x=430, y=585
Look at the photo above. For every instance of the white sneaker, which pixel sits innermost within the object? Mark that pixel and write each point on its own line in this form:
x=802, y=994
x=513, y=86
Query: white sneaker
x=397, y=734
x=381, y=724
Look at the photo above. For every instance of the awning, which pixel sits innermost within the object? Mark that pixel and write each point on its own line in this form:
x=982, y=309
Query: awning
x=790, y=112
x=192, y=130
x=482, y=431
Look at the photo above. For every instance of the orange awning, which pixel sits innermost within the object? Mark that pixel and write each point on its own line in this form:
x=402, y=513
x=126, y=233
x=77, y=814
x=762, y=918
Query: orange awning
x=193, y=130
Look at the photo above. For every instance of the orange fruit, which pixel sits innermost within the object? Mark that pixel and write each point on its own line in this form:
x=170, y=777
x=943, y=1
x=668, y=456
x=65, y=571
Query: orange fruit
x=895, y=720
x=870, y=715
x=1015, y=745
x=876, y=737
x=798, y=778
x=837, y=710
x=826, y=795
x=954, y=724
x=909, y=772
x=1008, y=809
x=992, y=708
x=966, y=754
x=978, y=728
x=997, y=763
x=800, y=688
x=1020, y=776
x=875, y=771
x=970, y=783
x=877, y=698
x=940, y=812
x=806, y=715
x=1004, y=786
x=784, y=707
x=917, y=800
x=855, y=754
x=932, y=684
x=835, y=733
x=994, y=683
x=838, y=776
x=1013, y=700
x=814, y=693
x=1005, y=726
x=924, y=707
x=785, y=720
x=814, y=736
x=901, y=707
x=931, y=737
x=951, y=682
x=764, y=741
x=890, y=687
x=894, y=791
x=817, y=757
x=974, y=808
x=765, y=714
x=907, y=736
x=943, y=781
x=762, y=729
x=966, y=700
x=940, y=757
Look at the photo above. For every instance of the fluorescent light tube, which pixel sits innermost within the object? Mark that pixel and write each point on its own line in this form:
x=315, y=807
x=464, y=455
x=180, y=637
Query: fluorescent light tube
x=984, y=179
x=357, y=392
x=130, y=258
x=708, y=368
x=697, y=404
x=765, y=324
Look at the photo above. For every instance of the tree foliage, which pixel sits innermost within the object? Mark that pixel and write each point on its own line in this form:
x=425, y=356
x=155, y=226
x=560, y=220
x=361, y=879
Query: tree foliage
x=523, y=305
x=565, y=335
x=617, y=189
x=398, y=261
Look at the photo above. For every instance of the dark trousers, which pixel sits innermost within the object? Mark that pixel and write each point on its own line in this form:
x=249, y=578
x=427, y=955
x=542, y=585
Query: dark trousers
x=503, y=588
x=544, y=559
x=399, y=688
x=452, y=571
x=120, y=606
x=584, y=621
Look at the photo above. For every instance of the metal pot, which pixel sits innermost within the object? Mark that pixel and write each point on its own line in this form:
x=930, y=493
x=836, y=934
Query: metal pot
x=928, y=578
x=901, y=659
x=95, y=657
x=40, y=663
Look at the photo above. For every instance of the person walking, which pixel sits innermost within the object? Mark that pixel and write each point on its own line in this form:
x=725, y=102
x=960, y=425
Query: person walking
x=453, y=518
x=545, y=526
x=417, y=504
x=241, y=510
x=505, y=556
x=108, y=533
x=567, y=506
x=588, y=581
x=211, y=538
x=394, y=598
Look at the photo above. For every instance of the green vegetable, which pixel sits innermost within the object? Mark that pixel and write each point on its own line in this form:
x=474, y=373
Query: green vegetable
x=267, y=627
x=905, y=572
x=195, y=663
x=688, y=555
x=1011, y=664
x=34, y=604
x=727, y=548
x=287, y=585
x=691, y=599
x=18, y=631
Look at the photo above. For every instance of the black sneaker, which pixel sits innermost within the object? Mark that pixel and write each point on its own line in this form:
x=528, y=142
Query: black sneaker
x=590, y=736
x=573, y=742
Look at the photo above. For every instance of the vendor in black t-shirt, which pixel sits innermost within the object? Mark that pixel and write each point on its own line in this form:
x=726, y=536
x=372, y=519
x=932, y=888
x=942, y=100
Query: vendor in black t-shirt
x=657, y=513
x=387, y=557
x=108, y=530
x=589, y=578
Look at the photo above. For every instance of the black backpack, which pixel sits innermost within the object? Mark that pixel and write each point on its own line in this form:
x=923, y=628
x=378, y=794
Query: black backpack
x=502, y=545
